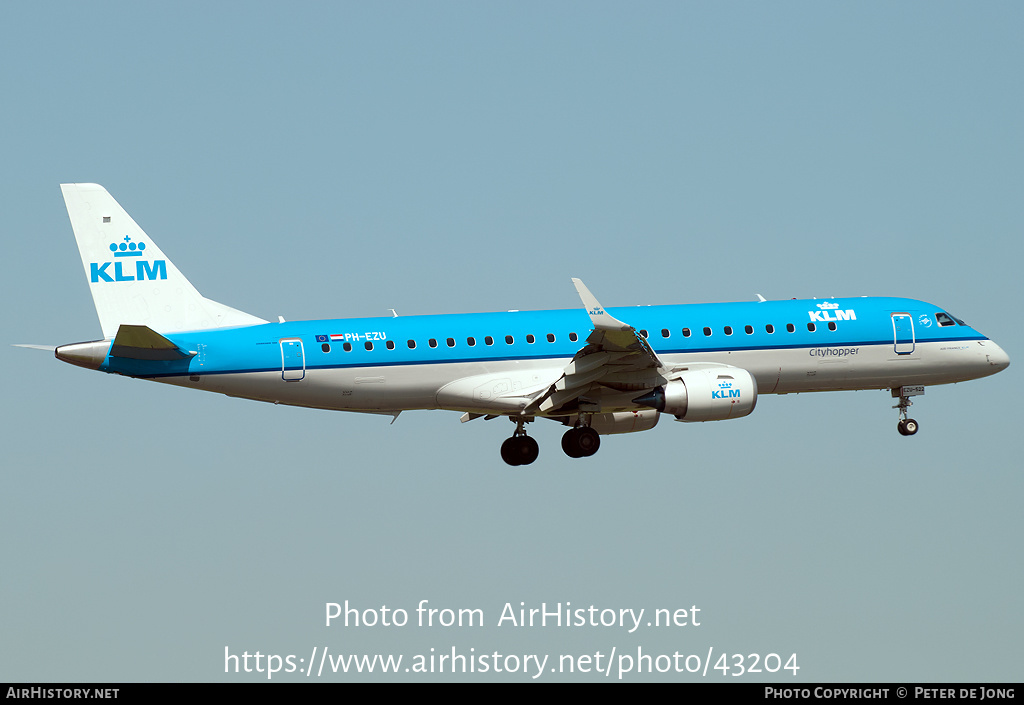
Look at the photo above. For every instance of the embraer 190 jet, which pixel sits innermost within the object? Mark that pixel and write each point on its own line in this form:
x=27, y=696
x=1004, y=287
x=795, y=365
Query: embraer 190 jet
x=597, y=371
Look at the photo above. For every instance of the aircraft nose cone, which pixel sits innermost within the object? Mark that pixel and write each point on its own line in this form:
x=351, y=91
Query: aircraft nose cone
x=997, y=357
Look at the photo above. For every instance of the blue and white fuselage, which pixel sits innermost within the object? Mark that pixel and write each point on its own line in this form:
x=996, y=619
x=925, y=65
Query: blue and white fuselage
x=596, y=370
x=403, y=363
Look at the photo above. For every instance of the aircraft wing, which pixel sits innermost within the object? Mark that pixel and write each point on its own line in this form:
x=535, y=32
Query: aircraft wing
x=616, y=357
x=620, y=340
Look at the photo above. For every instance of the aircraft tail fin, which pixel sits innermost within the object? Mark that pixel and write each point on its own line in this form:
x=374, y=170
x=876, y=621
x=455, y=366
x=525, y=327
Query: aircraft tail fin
x=131, y=280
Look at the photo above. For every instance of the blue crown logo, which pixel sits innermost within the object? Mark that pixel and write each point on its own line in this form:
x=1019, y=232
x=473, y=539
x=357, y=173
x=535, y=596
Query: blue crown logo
x=127, y=248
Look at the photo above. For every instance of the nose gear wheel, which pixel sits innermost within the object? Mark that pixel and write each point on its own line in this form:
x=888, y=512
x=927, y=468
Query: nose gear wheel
x=906, y=427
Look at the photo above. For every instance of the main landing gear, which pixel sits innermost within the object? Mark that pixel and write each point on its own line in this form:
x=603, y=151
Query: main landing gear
x=520, y=449
x=581, y=442
x=906, y=427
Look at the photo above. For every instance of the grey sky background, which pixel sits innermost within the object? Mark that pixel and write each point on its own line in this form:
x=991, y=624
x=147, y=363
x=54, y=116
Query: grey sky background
x=340, y=159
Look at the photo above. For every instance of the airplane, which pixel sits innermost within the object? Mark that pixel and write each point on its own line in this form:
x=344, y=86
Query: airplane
x=597, y=371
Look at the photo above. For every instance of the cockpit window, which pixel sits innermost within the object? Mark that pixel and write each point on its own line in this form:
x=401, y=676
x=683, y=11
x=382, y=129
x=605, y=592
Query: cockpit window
x=943, y=319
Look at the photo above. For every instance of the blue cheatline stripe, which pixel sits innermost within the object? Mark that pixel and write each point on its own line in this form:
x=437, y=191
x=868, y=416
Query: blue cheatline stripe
x=557, y=356
x=248, y=348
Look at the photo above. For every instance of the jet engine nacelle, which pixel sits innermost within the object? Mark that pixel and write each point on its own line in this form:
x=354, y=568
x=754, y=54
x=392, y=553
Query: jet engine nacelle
x=710, y=394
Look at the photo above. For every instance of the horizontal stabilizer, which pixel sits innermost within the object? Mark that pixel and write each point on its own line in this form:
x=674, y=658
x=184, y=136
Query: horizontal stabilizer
x=144, y=343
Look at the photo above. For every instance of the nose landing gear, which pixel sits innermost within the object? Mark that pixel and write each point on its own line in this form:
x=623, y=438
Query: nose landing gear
x=906, y=427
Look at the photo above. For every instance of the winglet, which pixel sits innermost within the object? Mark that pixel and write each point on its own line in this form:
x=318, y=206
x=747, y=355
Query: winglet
x=598, y=316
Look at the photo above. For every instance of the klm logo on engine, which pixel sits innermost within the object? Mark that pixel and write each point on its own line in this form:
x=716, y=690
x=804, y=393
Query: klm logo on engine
x=830, y=312
x=725, y=391
x=116, y=271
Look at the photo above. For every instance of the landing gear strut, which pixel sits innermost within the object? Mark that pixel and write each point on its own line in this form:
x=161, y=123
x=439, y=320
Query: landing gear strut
x=581, y=442
x=520, y=449
x=906, y=427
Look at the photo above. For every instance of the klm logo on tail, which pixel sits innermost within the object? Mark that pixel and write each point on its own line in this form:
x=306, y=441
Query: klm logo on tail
x=157, y=269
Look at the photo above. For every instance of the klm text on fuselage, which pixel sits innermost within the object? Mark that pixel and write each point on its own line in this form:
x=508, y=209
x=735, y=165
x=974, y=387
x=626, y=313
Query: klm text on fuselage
x=825, y=316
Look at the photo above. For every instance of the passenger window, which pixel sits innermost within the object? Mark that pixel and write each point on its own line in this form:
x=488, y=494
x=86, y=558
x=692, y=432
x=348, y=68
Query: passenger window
x=749, y=329
x=790, y=327
x=664, y=332
x=471, y=341
x=707, y=331
x=432, y=342
x=551, y=337
x=643, y=332
x=831, y=325
x=509, y=339
x=325, y=347
x=573, y=337
x=451, y=342
x=368, y=345
x=347, y=347
x=686, y=332
x=810, y=327
x=530, y=339
x=411, y=344
x=728, y=330
x=769, y=328
x=390, y=345
x=489, y=340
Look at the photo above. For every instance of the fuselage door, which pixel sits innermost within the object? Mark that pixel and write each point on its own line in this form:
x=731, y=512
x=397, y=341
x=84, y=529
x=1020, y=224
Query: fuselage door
x=293, y=360
x=903, y=333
